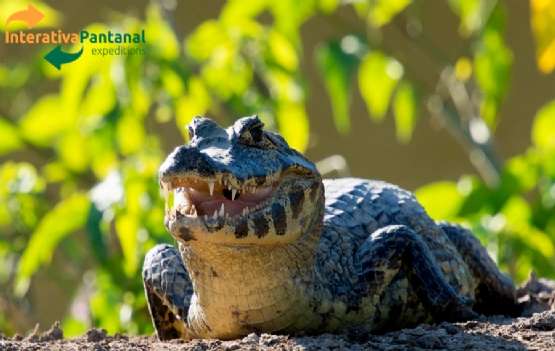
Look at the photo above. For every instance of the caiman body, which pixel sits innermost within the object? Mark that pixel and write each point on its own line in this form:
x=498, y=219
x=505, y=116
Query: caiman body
x=264, y=245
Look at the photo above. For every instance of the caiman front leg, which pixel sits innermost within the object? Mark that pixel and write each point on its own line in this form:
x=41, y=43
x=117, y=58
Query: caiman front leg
x=397, y=249
x=168, y=291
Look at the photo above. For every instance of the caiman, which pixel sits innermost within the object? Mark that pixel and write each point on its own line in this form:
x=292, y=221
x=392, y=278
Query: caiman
x=265, y=245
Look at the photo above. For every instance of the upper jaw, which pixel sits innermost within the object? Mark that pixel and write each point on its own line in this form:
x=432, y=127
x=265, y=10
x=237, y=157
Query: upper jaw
x=216, y=199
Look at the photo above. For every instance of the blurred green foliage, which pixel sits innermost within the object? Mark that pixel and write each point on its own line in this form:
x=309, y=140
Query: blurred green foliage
x=79, y=177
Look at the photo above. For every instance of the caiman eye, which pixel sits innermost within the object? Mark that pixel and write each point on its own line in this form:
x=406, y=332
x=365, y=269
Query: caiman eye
x=258, y=138
x=254, y=136
x=257, y=134
x=251, y=133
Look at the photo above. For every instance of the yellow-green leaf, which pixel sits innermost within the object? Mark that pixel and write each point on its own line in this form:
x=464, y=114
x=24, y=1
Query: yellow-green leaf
x=282, y=51
x=542, y=14
x=543, y=129
x=44, y=121
x=9, y=137
x=441, y=200
x=382, y=12
x=195, y=103
x=67, y=216
x=206, y=40
x=377, y=77
x=127, y=227
x=161, y=36
x=73, y=152
x=130, y=134
x=472, y=14
x=404, y=108
x=293, y=124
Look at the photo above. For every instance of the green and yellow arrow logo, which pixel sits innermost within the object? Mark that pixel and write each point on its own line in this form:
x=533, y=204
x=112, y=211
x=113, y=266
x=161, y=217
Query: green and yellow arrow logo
x=57, y=57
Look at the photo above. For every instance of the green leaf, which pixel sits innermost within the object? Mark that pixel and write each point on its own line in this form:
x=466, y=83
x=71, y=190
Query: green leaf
x=381, y=12
x=236, y=70
x=441, y=200
x=67, y=216
x=524, y=171
x=9, y=137
x=172, y=82
x=472, y=14
x=337, y=68
x=405, y=110
x=15, y=76
x=492, y=62
x=94, y=233
x=518, y=214
x=377, y=77
x=99, y=100
x=73, y=327
x=543, y=129
x=289, y=15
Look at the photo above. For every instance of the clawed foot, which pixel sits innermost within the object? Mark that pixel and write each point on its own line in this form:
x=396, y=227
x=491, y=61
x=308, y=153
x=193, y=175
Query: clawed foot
x=459, y=310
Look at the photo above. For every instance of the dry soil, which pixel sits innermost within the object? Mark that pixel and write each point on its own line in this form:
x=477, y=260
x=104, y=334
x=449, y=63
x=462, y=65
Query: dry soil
x=534, y=330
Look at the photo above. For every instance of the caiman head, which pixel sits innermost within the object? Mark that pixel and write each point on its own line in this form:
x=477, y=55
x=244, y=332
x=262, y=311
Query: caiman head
x=239, y=186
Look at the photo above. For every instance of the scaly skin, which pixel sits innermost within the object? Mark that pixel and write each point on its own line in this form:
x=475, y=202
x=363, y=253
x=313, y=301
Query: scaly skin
x=365, y=255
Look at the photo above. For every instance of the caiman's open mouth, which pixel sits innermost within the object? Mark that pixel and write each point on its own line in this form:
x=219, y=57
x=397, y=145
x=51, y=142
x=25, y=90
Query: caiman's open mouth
x=218, y=197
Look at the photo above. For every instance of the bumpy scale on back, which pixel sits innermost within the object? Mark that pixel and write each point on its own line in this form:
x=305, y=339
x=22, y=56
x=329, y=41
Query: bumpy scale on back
x=262, y=249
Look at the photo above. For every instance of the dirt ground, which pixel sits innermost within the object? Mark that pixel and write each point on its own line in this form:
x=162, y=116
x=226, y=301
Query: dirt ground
x=535, y=330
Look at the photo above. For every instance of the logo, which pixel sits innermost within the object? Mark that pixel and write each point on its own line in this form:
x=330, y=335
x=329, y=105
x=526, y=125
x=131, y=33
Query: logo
x=100, y=43
x=31, y=16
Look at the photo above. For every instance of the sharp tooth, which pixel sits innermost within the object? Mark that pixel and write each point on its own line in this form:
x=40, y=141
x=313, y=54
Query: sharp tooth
x=233, y=193
x=211, y=187
x=222, y=210
x=205, y=218
x=215, y=215
x=193, y=210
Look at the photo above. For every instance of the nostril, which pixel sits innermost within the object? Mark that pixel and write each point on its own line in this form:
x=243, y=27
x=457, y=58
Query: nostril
x=228, y=194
